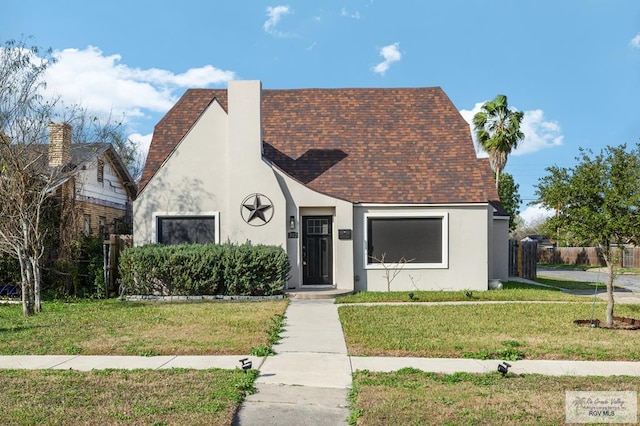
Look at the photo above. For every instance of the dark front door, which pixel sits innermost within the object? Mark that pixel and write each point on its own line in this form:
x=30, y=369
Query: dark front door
x=317, y=253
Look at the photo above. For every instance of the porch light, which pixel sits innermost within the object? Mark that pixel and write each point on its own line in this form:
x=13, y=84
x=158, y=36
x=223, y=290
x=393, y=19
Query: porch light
x=292, y=222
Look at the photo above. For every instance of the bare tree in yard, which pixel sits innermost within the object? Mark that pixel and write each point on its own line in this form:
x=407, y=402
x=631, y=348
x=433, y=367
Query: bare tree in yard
x=597, y=203
x=391, y=269
x=26, y=180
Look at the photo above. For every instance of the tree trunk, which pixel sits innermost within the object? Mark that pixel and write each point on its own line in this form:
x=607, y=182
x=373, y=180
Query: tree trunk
x=36, y=286
x=27, y=293
x=610, y=300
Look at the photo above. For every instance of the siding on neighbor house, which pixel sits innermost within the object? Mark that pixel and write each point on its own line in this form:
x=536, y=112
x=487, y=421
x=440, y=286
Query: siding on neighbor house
x=110, y=190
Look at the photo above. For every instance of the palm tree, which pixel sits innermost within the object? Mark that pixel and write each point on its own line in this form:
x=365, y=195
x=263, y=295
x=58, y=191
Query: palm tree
x=498, y=132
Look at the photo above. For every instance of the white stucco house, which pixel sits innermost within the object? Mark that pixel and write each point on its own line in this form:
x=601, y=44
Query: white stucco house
x=351, y=182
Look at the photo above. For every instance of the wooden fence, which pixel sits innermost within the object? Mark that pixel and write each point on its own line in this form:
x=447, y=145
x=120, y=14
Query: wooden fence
x=523, y=257
x=587, y=256
x=111, y=250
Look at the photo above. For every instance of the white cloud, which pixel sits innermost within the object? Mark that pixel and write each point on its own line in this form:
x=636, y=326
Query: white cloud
x=535, y=214
x=346, y=14
x=539, y=133
x=142, y=141
x=101, y=83
x=274, y=14
x=635, y=42
x=391, y=54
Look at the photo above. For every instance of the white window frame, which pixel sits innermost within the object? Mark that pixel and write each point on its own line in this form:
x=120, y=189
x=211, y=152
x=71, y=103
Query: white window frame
x=409, y=215
x=216, y=225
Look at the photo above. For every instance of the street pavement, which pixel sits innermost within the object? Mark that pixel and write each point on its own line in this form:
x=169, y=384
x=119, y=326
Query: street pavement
x=628, y=281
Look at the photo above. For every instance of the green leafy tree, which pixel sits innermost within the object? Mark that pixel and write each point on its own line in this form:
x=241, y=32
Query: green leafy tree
x=497, y=129
x=597, y=204
x=510, y=198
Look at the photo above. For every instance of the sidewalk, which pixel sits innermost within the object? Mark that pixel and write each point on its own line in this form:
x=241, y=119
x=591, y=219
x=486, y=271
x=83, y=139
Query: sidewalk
x=102, y=362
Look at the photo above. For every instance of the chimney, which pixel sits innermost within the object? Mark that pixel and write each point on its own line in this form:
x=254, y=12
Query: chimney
x=59, y=144
x=245, y=125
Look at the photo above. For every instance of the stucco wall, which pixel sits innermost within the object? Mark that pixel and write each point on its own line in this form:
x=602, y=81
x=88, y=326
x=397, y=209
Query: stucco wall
x=192, y=180
x=500, y=249
x=301, y=201
x=248, y=173
x=215, y=167
x=468, y=257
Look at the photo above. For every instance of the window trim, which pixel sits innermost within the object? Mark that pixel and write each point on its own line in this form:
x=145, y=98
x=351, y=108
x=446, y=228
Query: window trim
x=409, y=215
x=100, y=172
x=215, y=215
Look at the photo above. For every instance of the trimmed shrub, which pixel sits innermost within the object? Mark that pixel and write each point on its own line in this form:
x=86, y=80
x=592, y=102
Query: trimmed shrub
x=204, y=269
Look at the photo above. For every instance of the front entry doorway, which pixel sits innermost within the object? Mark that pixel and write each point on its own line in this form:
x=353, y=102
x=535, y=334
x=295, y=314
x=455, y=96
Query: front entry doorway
x=317, y=250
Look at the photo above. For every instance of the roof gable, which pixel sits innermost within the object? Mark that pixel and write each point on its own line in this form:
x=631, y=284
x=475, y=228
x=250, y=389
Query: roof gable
x=173, y=127
x=404, y=145
x=81, y=155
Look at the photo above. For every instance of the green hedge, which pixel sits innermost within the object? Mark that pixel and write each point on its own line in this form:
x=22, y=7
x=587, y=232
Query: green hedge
x=210, y=269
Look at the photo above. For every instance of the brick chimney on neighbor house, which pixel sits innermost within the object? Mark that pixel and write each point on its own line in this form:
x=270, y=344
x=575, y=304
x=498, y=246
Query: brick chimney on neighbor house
x=59, y=144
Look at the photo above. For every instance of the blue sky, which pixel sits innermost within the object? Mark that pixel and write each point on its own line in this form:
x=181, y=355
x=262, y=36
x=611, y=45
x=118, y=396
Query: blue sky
x=573, y=66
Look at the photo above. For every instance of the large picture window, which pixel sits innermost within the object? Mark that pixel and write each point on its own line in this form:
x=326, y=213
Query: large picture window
x=420, y=241
x=186, y=229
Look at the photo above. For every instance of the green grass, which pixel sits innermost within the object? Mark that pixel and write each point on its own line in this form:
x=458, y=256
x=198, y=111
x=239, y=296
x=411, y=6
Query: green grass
x=575, y=285
x=507, y=331
x=412, y=397
x=122, y=397
x=512, y=290
x=113, y=327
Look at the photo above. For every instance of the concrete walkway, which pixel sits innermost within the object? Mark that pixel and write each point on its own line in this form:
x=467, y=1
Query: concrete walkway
x=307, y=382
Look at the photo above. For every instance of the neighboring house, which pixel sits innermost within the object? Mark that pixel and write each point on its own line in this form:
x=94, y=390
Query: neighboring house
x=542, y=240
x=99, y=184
x=343, y=179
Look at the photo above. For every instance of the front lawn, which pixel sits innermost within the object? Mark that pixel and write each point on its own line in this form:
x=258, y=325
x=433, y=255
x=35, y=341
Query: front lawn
x=114, y=327
x=185, y=397
x=512, y=290
x=411, y=397
x=485, y=331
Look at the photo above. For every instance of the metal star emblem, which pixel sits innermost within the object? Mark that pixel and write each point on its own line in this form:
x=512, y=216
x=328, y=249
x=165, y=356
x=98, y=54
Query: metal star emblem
x=254, y=208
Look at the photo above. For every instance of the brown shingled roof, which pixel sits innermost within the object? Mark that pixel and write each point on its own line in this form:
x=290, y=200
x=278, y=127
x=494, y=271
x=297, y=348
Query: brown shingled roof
x=406, y=145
